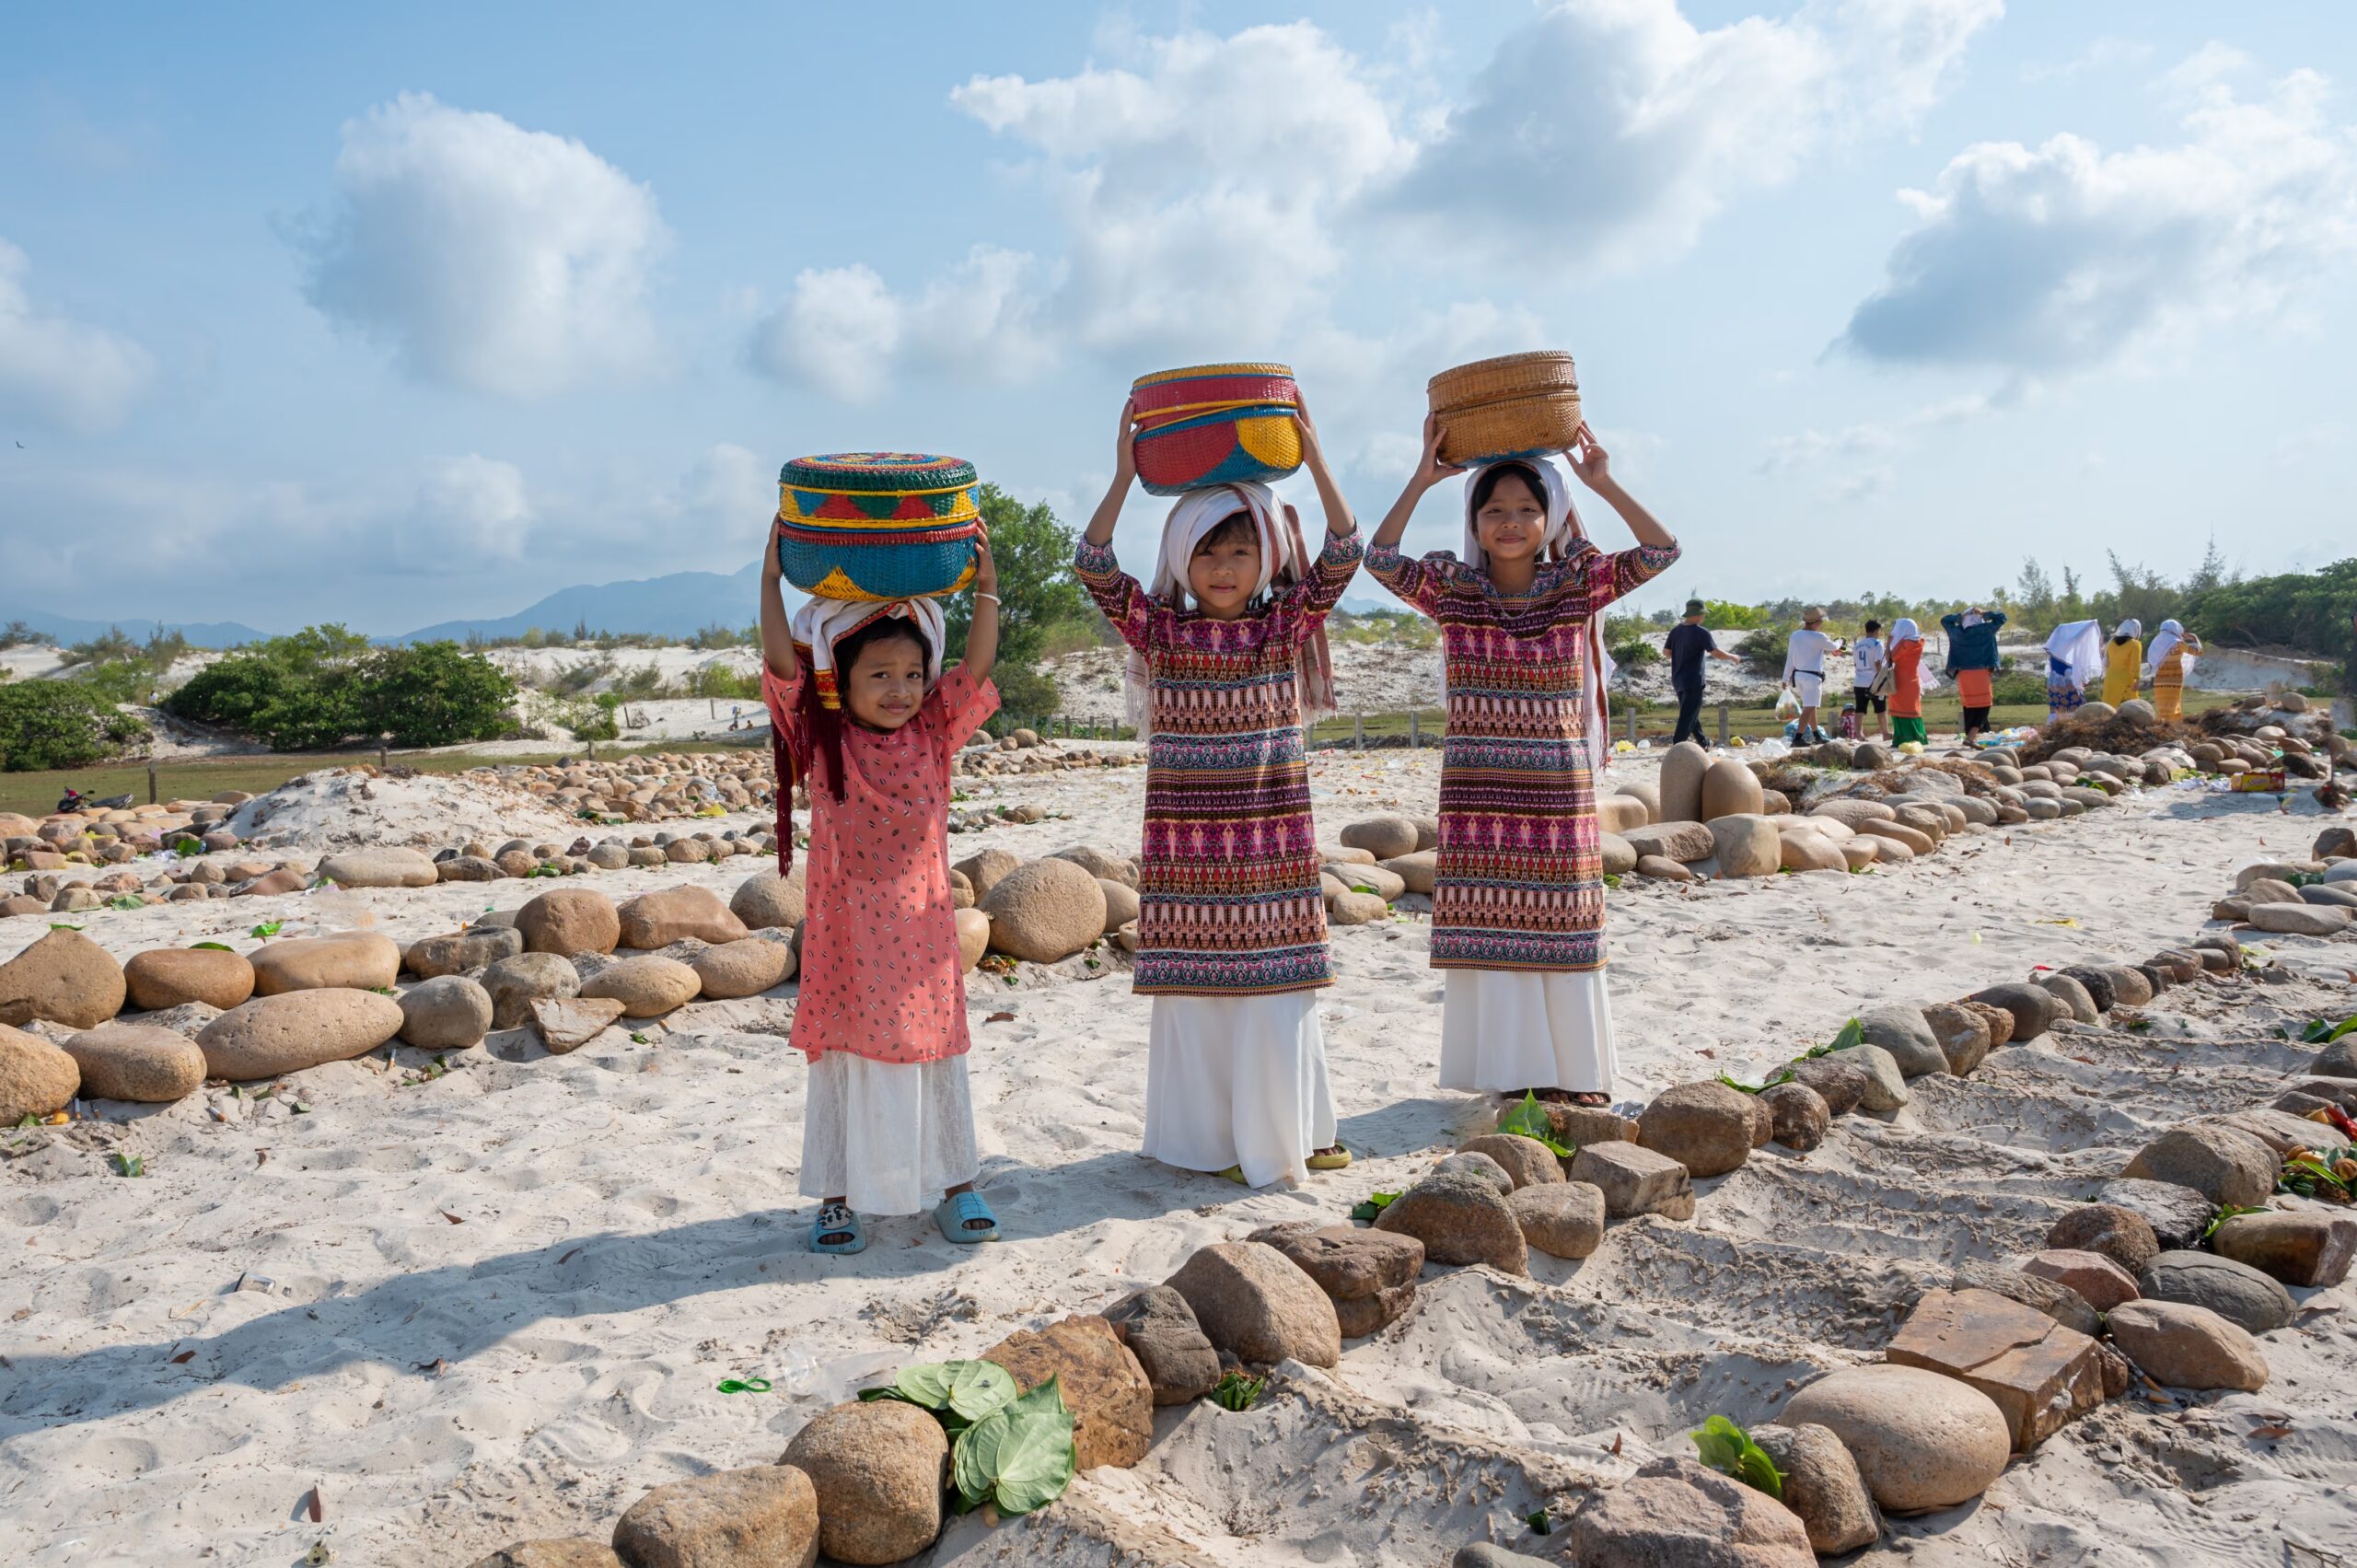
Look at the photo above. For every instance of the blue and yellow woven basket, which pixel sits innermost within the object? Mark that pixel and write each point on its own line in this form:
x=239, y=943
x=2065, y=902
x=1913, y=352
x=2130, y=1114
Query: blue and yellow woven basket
x=877, y=526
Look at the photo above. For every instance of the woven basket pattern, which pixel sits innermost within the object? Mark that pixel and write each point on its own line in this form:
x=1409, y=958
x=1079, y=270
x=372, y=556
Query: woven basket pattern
x=1519, y=405
x=1207, y=424
x=877, y=526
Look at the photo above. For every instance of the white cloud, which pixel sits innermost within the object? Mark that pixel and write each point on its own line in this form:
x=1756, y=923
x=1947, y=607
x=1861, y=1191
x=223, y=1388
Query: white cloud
x=843, y=331
x=487, y=256
x=1855, y=462
x=65, y=374
x=2063, y=256
x=1606, y=134
x=469, y=512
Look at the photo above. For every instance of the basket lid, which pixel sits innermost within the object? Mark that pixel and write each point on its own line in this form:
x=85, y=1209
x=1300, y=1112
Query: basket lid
x=1507, y=364
x=878, y=472
x=1198, y=372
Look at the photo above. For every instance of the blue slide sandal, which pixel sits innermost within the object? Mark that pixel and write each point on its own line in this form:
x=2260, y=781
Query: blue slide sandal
x=835, y=1219
x=955, y=1211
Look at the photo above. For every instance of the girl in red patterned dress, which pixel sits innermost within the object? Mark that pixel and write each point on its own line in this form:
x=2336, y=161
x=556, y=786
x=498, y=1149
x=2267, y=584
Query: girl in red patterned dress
x=1228, y=652
x=869, y=723
x=1518, y=889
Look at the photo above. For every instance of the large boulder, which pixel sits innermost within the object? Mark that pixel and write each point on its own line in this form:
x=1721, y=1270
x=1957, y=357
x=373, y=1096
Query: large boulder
x=36, y=1078
x=2177, y=1213
x=380, y=868
x=447, y=1012
x=567, y=920
x=1461, y=1219
x=1682, y=767
x=2121, y=1234
x=974, y=937
x=1385, y=838
x=350, y=960
x=759, y=1515
x=1730, y=789
x=2301, y=919
x=1252, y=1302
x=2225, y=1164
x=983, y=870
x=1159, y=1328
x=461, y=952
x=2060, y=1302
x=572, y=1551
x=1822, y=1486
x=1618, y=813
x=1963, y=1034
x=1675, y=1514
x=1102, y=1383
x=167, y=977
x=2100, y=1282
x=1525, y=1160
x=2078, y=1001
x=1798, y=1117
x=2188, y=1346
x=1908, y=1037
x=1635, y=1181
x=767, y=902
x=295, y=1029
x=63, y=977
x=1045, y=910
x=646, y=986
x=1886, y=1087
x=654, y=921
x=1121, y=903
x=1619, y=854
x=140, y=1063
x=1677, y=842
x=2032, y=1007
x=1370, y=1275
x=2039, y=1374
x=568, y=1023
x=879, y=1468
x=1704, y=1127
x=2245, y=1296
x=2310, y=1248
x=745, y=967
x=513, y=984
x=1921, y=1440
x=1800, y=849
x=1746, y=844
x=1840, y=1084
x=1564, y=1219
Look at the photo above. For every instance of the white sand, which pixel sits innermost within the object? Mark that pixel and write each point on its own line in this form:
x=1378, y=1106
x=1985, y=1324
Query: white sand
x=504, y=1297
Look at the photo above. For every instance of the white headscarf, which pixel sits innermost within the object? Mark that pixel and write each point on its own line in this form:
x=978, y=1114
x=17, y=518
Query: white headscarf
x=2167, y=637
x=1192, y=515
x=2077, y=646
x=1563, y=527
x=2130, y=628
x=1905, y=631
x=820, y=623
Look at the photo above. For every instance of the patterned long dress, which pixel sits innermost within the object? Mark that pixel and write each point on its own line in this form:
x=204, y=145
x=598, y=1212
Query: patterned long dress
x=1230, y=903
x=1232, y=910
x=2168, y=679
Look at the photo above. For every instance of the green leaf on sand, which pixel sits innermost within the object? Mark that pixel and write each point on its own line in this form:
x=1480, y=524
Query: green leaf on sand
x=970, y=1388
x=2324, y=1031
x=1540, y=1521
x=267, y=929
x=1019, y=1456
x=2227, y=1213
x=1727, y=1449
x=1853, y=1033
x=213, y=947
x=1529, y=1120
x=1376, y=1203
x=1238, y=1392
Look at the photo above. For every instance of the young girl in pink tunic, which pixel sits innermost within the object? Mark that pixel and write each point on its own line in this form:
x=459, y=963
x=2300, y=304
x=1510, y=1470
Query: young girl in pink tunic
x=869, y=722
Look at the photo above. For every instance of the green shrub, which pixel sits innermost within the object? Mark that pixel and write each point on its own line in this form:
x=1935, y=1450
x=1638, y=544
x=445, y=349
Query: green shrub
x=1025, y=695
x=1763, y=649
x=324, y=686
x=2018, y=686
x=61, y=724
x=434, y=694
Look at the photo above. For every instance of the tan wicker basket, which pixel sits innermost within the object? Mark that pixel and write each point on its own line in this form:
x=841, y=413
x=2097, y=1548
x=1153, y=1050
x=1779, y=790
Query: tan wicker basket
x=1518, y=405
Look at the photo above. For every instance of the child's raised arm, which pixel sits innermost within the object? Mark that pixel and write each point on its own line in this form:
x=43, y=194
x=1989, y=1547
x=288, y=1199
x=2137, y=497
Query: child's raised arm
x=777, y=633
x=981, y=627
x=1414, y=581
x=1122, y=597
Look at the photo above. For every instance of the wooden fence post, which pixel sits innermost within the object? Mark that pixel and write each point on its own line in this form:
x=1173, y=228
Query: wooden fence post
x=1358, y=732
x=1415, y=730
x=151, y=783
x=1723, y=723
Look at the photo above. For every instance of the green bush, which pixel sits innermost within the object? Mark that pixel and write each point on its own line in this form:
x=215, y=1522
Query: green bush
x=434, y=694
x=61, y=724
x=2017, y=686
x=324, y=686
x=1762, y=650
x=1025, y=695
x=1634, y=653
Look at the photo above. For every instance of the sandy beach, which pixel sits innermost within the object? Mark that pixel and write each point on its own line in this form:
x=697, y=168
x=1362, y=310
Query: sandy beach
x=496, y=1303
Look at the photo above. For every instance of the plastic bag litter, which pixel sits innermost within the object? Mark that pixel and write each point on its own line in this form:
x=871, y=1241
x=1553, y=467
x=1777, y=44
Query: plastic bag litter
x=1788, y=703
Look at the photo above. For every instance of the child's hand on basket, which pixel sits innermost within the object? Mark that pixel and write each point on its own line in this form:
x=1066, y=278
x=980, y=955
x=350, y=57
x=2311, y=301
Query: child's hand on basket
x=985, y=568
x=1311, y=453
x=1429, y=470
x=1125, y=451
x=1589, y=459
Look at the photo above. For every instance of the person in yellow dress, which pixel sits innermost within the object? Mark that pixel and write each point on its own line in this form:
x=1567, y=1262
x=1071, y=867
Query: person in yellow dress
x=2173, y=651
x=2123, y=662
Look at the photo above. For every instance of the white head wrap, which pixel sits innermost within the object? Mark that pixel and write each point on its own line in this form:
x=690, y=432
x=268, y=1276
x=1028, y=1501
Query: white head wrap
x=2130, y=628
x=820, y=623
x=1284, y=556
x=1904, y=630
x=2166, y=638
x=2077, y=646
x=1561, y=527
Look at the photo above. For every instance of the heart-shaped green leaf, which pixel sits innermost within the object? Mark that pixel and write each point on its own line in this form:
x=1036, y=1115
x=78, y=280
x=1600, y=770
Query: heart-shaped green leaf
x=1020, y=1457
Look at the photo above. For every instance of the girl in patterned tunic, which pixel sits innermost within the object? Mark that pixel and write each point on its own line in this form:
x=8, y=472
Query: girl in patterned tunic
x=1227, y=660
x=1518, y=894
x=868, y=721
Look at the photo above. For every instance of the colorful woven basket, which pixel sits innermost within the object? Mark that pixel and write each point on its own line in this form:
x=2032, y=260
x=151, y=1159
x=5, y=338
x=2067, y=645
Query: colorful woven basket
x=1211, y=424
x=877, y=525
x=1522, y=405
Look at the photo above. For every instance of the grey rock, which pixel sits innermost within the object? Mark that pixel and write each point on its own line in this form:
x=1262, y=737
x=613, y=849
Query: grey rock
x=2243, y=1295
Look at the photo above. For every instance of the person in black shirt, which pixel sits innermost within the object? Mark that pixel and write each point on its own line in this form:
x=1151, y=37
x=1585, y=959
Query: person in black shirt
x=1688, y=644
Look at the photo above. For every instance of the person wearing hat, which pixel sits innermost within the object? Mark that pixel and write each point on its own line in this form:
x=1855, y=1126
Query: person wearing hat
x=1688, y=644
x=1805, y=669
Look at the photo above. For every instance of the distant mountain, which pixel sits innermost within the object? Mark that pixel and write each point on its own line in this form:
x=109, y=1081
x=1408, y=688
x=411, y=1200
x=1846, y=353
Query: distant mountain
x=201, y=635
x=678, y=605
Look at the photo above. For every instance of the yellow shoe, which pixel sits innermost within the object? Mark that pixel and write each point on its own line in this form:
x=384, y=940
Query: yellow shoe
x=1340, y=1159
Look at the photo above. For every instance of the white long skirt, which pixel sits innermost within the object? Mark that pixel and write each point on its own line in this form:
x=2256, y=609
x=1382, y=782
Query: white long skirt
x=1237, y=1081
x=889, y=1137
x=1512, y=1029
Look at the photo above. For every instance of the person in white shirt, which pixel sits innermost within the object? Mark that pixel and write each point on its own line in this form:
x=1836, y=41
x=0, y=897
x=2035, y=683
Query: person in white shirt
x=1804, y=670
x=1867, y=660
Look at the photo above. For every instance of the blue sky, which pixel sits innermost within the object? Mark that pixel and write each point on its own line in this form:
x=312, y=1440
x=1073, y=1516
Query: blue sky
x=306, y=314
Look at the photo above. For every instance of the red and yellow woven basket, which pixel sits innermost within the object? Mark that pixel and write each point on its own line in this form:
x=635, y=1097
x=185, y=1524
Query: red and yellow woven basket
x=1207, y=424
x=877, y=526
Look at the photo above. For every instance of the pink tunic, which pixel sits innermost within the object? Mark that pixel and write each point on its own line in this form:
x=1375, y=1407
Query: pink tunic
x=880, y=972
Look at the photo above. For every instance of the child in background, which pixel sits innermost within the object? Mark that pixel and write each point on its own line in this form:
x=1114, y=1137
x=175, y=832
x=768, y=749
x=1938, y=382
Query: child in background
x=1868, y=658
x=1849, y=727
x=866, y=719
x=1227, y=661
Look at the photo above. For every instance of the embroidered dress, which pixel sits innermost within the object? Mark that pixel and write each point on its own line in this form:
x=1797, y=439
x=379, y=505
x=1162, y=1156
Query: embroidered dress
x=1519, y=879
x=1230, y=903
x=888, y=1123
x=2168, y=681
